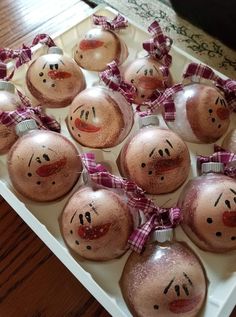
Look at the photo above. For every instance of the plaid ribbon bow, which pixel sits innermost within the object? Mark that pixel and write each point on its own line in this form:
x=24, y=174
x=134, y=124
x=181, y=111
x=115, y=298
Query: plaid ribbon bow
x=228, y=86
x=157, y=217
x=112, y=78
x=21, y=55
x=119, y=22
x=160, y=45
x=164, y=99
x=221, y=156
x=25, y=111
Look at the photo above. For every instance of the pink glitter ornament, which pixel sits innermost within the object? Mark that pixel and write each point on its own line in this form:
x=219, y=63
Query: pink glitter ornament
x=165, y=280
x=156, y=159
x=55, y=79
x=208, y=203
x=43, y=165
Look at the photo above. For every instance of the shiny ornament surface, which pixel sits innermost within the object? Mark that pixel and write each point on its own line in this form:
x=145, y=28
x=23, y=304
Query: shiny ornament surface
x=43, y=165
x=166, y=280
x=146, y=74
x=229, y=142
x=156, y=159
x=208, y=204
x=98, y=48
x=9, y=101
x=54, y=80
x=202, y=115
x=100, y=118
x=96, y=224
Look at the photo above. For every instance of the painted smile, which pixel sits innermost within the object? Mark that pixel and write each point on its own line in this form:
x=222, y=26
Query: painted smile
x=86, y=127
x=229, y=218
x=93, y=233
x=51, y=169
x=145, y=82
x=55, y=74
x=179, y=306
x=90, y=44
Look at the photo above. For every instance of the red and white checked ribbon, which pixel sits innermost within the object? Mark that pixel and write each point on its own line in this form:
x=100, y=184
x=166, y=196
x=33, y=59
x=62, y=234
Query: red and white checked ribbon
x=26, y=111
x=157, y=217
x=220, y=156
x=164, y=99
x=160, y=45
x=119, y=22
x=228, y=86
x=112, y=78
x=21, y=55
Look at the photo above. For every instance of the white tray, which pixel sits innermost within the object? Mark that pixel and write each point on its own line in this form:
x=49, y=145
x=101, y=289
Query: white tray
x=101, y=278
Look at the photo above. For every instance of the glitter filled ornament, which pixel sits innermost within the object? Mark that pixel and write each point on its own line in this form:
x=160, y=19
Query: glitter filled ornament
x=229, y=142
x=166, y=280
x=9, y=101
x=96, y=223
x=100, y=118
x=156, y=159
x=42, y=165
x=208, y=203
x=55, y=79
x=152, y=71
x=101, y=45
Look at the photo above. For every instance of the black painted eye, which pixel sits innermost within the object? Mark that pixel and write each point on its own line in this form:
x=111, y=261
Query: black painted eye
x=213, y=119
x=132, y=81
x=235, y=200
x=38, y=183
x=56, y=66
x=161, y=152
x=46, y=157
x=77, y=242
x=145, y=72
x=53, y=85
x=143, y=165
x=53, y=183
x=70, y=118
x=233, y=238
x=227, y=202
x=71, y=232
x=81, y=56
x=167, y=152
x=88, y=216
x=81, y=220
x=72, y=128
x=219, y=126
x=156, y=307
x=41, y=74
x=151, y=72
x=89, y=247
x=29, y=174
x=218, y=234
x=210, y=110
x=162, y=178
x=209, y=220
x=38, y=160
x=150, y=173
x=142, y=96
x=44, y=80
x=51, y=67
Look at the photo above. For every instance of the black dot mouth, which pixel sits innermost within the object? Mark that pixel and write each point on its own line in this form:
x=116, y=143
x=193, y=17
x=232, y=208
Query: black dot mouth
x=88, y=247
x=209, y=220
x=218, y=234
x=233, y=238
x=77, y=242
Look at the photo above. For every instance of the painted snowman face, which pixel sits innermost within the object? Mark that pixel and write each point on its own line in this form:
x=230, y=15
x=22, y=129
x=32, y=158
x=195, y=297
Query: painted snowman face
x=44, y=165
x=54, y=80
x=210, y=220
x=96, y=224
x=156, y=159
x=91, y=115
x=146, y=76
x=202, y=114
x=161, y=286
x=8, y=102
x=98, y=48
x=229, y=142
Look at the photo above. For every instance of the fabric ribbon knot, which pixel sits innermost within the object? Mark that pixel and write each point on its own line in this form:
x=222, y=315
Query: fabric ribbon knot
x=160, y=45
x=228, y=86
x=25, y=111
x=157, y=217
x=112, y=78
x=221, y=156
x=119, y=22
x=164, y=99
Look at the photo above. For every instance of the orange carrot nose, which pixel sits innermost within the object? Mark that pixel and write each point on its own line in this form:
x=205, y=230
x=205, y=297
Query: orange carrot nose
x=229, y=218
x=93, y=232
x=54, y=74
x=90, y=44
x=146, y=82
x=222, y=113
x=50, y=169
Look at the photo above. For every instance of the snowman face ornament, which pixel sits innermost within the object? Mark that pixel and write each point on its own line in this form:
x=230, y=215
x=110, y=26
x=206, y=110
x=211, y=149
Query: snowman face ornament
x=156, y=159
x=98, y=48
x=44, y=165
x=54, y=80
x=91, y=115
x=145, y=74
x=96, y=224
x=210, y=219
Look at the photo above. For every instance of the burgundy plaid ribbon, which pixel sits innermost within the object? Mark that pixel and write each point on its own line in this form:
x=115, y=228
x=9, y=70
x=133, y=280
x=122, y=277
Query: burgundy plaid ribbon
x=160, y=45
x=119, y=22
x=228, y=86
x=164, y=99
x=112, y=78
x=21, y=55
x=222, y=157
x=161, y=217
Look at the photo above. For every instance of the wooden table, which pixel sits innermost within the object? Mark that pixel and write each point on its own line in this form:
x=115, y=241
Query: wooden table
x=33, y=282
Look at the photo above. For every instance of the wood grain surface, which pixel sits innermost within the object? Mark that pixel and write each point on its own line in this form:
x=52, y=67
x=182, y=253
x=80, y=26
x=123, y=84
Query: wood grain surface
x=33, y=282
